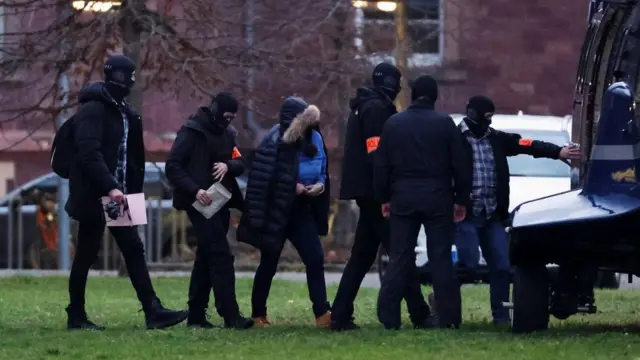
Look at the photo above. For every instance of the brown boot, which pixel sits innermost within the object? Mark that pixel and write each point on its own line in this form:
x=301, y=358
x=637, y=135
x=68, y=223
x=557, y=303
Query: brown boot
x=261, y=322
x=324, y=321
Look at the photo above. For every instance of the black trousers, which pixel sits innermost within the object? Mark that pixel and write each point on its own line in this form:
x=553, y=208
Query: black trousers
x=89, y=240
x=404, y=232
x=213, y=267
x=303, y=235
x=372, y=231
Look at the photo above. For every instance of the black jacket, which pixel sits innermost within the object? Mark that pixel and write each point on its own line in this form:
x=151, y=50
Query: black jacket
x=419, y=154
x=200, y=143
x=98, y=131
x=271, y=185
x=370, y=109
x=508, y=144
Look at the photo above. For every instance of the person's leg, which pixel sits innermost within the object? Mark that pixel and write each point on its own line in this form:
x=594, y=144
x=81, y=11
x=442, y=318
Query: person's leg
x=404, y=232
x=225, y=216
x=200, y=282
x=262, y=285
x=495, y=245
x=204, y=282
x=89, y=240
x=363, y=255
x=446, y=287
x=156, y=315
x=416, y=304
x=304, y=237
x=221, y=270
x=467, y=244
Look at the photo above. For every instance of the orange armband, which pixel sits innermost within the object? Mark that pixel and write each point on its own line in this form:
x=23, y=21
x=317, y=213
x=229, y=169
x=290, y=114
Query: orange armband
x=372, y=143
x=236, y=153
x=525, y=142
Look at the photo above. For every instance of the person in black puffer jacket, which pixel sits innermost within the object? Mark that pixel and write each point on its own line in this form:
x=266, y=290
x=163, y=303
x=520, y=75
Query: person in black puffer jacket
x=285, y=199
x=205, y=152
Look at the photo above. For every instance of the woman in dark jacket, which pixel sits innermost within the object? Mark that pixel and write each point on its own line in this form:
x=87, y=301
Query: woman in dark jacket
x=285, y=199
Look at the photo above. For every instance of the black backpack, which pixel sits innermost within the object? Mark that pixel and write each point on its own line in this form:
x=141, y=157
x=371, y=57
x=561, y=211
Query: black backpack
x=63, y=149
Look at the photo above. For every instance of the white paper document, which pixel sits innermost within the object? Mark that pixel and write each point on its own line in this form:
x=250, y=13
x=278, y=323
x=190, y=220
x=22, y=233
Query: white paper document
x=219, y=196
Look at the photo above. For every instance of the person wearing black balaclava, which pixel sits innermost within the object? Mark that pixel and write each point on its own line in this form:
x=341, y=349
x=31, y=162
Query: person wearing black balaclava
x=487, y=150
x=109, y=161
x=204, y=153
x=370, y=110
x=419, y=154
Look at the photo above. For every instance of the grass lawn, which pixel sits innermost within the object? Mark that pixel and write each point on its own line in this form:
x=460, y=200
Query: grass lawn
x=32, y=327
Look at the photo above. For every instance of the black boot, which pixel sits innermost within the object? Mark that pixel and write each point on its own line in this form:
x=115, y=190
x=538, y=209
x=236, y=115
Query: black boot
x=238, y=322
x=198, y=319
x=158, y=317
x=426, y=322
x=337, y=325
x=77, y=320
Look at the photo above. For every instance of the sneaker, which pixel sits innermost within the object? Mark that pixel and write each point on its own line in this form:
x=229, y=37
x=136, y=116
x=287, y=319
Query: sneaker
x=78, y=320
x=324, y=321
x=159, y=317
x=240, y=322
x=261, y=322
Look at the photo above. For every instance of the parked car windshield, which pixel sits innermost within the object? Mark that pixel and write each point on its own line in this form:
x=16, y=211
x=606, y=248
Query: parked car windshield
x=527, y=165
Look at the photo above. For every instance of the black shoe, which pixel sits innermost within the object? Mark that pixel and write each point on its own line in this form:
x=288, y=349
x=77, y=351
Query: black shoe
x=197, y=319
x=159, y=317
x=239, y=322
x=427, y=322
x=343, y=325
x=77, y=320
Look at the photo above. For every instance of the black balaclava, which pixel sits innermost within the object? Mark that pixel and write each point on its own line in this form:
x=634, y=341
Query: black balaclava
x=477, y=108
x=386, y=78
x=223, y=103
x=118, y=74
x=424, y=89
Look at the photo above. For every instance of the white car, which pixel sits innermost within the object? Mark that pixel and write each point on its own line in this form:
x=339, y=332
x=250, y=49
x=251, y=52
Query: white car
x=531, y=178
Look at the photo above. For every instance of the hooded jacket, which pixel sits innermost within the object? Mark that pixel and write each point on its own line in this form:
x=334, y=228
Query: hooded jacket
x=370, y=109
x=201, y=142
x=271, y=186
x=98, y=131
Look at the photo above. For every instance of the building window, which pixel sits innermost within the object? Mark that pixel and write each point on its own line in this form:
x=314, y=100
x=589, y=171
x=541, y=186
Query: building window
x=100, y=6
x=376, y=32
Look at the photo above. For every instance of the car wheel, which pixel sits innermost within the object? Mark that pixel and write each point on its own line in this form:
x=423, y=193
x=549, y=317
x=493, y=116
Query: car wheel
x=383, y=261
x=608, y=280
x=530, y=299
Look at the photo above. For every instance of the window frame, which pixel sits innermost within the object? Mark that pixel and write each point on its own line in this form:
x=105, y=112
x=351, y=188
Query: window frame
x=415, y=59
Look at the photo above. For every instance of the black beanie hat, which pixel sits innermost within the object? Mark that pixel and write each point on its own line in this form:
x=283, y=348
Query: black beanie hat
x=118, y=70
x=386, y=75
x=424, y=87
x=225, y=102
x=480, y=105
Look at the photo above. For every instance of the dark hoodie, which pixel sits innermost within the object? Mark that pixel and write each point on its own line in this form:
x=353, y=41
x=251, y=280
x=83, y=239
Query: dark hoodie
x=98, y=130
x=370, y=109
x=202, y=141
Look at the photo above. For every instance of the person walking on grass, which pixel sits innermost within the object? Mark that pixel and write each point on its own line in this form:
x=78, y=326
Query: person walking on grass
x=287, y=198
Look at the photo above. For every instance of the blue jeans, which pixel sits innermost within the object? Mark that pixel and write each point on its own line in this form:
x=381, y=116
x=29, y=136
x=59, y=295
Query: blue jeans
x=301, y=232
x=491, y=237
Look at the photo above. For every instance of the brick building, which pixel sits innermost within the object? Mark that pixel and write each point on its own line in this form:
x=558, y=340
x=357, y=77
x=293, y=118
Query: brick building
x=523, y=54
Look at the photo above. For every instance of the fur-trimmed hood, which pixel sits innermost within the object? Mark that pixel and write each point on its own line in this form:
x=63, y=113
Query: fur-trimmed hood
x=296, y=116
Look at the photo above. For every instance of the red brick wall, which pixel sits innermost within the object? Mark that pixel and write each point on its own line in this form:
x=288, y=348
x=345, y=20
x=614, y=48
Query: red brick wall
x=523, y=54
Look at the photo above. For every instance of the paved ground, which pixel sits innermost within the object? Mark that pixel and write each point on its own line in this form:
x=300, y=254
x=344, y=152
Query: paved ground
x=371, y=280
